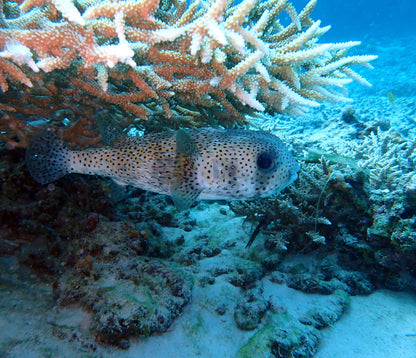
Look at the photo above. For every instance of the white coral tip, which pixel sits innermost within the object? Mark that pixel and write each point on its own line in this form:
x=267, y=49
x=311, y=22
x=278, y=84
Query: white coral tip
x=20, y=54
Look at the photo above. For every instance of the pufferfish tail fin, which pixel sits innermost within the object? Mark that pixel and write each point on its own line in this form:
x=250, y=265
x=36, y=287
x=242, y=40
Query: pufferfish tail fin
x=47, y=157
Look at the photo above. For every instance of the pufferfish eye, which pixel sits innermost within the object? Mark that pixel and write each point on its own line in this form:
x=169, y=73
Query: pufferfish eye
x=266, y=162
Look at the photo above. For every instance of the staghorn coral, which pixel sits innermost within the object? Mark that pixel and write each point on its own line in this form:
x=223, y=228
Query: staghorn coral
x=390, y=159
x=176, y=64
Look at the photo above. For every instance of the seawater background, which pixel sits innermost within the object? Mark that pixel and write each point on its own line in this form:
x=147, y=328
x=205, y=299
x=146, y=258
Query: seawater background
x=386, y=29
x=361, y=18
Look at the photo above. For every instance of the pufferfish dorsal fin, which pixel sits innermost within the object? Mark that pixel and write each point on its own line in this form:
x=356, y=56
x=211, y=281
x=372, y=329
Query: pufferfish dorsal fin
x=110, y=130
x=185, y=188
x=185, y=145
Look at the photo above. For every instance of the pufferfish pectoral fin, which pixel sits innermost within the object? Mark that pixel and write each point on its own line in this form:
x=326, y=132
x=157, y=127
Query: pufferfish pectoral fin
x=185, y=190
x=183, y=199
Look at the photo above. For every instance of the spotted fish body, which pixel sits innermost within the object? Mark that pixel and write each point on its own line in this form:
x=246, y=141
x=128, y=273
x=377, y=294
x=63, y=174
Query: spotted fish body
x=188, y=165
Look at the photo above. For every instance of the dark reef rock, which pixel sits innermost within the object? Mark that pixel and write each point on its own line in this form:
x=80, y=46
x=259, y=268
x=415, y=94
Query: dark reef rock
x=37, y=222
x=62, y=231
x=129, y=262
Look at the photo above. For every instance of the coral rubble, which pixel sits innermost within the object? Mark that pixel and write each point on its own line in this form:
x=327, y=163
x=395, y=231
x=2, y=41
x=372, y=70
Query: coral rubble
x=178, y=64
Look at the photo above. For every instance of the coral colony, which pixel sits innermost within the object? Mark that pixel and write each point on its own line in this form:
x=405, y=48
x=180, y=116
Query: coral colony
x=175, y=63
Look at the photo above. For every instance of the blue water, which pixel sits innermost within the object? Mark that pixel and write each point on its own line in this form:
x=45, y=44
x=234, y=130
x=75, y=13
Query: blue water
x=386, y=29
x=357, y=19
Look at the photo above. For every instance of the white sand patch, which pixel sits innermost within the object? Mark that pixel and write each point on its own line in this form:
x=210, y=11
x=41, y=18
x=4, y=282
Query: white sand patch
x=381, y=325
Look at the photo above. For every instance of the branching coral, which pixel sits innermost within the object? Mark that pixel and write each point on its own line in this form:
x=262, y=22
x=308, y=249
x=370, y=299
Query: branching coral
x=390, y=159
x=209, y=60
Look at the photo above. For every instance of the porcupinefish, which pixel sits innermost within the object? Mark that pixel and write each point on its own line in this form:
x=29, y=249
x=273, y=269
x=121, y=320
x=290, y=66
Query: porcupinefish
x=187, y=165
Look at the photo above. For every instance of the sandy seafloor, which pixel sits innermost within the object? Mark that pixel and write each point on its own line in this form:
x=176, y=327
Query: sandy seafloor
x=382, y=324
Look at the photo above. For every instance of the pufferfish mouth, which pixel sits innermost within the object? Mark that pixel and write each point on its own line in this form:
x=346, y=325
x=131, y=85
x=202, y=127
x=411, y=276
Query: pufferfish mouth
x=292, y=176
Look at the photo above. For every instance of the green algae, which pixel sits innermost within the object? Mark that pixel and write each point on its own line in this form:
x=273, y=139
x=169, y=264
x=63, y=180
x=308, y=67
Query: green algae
x=284, y=333
x=259, y=345
x=327, y=315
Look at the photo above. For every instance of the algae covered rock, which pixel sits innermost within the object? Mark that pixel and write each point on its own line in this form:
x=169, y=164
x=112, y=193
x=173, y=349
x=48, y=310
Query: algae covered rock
x=329, y=313
x=129, y=295
x=128, y=298
x=283, y=336
x=248, y=314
